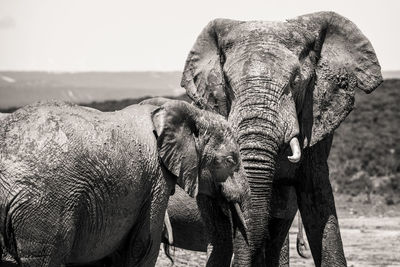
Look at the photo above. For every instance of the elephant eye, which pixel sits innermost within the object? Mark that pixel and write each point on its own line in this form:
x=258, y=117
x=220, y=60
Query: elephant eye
x=217, y=160
x=295, y=81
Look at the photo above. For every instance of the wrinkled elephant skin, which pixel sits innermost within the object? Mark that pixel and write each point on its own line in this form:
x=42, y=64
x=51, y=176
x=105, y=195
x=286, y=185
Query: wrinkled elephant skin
x=78, y=185
x=281, y=84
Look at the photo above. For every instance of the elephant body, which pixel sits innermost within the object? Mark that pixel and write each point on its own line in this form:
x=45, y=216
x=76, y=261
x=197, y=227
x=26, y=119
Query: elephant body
x=100, y=163
x=78, y=185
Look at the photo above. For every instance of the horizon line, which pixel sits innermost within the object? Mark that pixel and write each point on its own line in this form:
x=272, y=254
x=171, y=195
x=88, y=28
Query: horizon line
x=83, y=71
x=113, y=71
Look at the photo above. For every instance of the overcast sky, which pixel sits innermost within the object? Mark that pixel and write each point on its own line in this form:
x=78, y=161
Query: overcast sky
x=86, y=35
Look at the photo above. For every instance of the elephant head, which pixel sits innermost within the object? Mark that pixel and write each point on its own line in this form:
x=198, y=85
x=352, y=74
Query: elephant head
x=199, y=148
x=277, y=83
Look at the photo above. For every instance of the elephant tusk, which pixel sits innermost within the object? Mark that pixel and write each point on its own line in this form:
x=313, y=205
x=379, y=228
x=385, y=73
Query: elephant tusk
x=240, y=215
x=169, y=228
x=295, y=146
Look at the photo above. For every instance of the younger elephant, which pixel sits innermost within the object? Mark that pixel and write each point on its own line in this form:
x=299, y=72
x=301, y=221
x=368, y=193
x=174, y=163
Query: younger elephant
x=78, y=185
x=206, y=219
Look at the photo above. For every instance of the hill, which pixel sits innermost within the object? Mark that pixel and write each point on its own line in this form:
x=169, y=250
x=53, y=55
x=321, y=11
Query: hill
x=391, y=74
x=21, y=88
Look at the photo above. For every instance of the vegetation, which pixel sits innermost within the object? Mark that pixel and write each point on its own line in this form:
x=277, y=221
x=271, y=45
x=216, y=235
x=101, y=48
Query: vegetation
x=365, y=157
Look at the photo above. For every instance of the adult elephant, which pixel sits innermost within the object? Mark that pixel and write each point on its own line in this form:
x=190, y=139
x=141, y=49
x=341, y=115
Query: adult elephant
x=276, y=81
x=78, y=185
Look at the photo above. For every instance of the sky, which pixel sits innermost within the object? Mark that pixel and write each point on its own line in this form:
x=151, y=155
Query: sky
x=146, y=35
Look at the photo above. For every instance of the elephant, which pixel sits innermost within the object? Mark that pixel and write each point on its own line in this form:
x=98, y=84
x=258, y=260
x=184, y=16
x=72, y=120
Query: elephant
x=206, y=220
x=284, y=87
x=78, y=185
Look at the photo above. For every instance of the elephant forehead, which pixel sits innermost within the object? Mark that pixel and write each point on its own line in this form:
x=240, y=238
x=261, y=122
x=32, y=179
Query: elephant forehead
x=225, y=136
x=260, y=28
x=260, y=58
x=268, y=32
x=228, y=145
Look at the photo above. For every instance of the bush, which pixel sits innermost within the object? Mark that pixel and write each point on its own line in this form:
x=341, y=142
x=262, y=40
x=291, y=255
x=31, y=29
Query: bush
x=368, y=141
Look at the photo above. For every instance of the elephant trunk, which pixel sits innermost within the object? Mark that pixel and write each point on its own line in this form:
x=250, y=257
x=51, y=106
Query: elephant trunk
x=255, y=120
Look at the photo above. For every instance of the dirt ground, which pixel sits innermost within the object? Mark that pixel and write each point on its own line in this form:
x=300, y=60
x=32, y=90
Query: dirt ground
x=370, y=234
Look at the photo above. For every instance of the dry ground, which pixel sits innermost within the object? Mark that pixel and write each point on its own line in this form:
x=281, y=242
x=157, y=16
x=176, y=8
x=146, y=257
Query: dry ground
x=370, y=233
x=368, y=241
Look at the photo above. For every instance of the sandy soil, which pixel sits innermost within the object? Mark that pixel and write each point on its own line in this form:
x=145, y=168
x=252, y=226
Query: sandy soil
x=368, y=241
x=370, y=234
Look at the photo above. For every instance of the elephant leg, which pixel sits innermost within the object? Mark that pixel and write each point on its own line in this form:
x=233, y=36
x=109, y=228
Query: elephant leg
x=143, y=242
x=1, y=248
x=317, y=207
x=219, y=231
x=284, y=210
x=138, y=252
x=40, y=261
x=284, y=254
x=277, y=250
x=42, y=252
x=42, y=240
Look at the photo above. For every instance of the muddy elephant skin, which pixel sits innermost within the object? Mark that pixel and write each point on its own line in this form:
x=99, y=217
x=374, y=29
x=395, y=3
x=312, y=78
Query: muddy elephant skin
x=78, y=185
x=284, y=88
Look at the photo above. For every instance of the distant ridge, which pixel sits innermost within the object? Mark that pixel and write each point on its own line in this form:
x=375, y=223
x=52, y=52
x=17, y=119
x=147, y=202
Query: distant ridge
x=18, y=88
x=21, y=88
x=391, y=74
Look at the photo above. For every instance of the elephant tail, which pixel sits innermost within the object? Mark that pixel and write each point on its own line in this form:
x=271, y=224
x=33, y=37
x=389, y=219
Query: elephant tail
x=301, y=244
x=167, y=237
x=167, y=251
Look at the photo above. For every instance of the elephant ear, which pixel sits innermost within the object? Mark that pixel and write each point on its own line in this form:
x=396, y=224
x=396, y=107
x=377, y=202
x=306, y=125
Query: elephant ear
x=175, y=129
x=203, y=76
x=345, y=60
